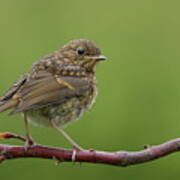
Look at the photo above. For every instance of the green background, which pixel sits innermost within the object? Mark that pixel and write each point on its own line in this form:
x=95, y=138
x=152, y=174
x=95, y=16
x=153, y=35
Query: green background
x=139, y=85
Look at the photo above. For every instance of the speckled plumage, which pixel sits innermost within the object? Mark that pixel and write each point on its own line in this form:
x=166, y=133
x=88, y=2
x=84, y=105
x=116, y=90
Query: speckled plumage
x=59, y=87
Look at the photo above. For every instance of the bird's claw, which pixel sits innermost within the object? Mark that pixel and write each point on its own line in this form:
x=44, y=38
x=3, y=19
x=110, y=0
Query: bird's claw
x=29, y=143
x=76, y=149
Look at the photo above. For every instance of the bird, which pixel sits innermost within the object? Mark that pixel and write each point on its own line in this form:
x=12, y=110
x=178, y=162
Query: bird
x=58, y=89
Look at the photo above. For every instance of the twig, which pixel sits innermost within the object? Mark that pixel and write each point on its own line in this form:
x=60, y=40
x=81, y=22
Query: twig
x=7, y=135
x=119, y=158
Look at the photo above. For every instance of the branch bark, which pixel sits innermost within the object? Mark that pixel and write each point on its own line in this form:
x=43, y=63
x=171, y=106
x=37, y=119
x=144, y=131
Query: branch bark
x=119, y=158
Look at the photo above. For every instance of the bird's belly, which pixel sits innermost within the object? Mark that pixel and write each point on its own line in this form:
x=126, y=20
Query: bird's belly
x=61, y=114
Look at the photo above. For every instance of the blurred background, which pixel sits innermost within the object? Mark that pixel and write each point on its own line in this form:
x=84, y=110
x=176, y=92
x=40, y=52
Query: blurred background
x=139, y=85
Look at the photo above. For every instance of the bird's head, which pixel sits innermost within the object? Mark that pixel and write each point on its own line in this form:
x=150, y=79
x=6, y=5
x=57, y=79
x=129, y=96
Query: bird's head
x=82, y=52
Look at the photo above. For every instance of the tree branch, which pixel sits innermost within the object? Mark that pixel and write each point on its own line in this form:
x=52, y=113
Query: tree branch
x=119, y=158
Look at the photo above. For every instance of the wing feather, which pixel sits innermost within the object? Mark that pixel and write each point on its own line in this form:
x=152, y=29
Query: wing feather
x=46, y=89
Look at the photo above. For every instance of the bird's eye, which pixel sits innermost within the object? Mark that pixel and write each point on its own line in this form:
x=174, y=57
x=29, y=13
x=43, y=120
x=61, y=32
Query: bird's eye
x=80, y=51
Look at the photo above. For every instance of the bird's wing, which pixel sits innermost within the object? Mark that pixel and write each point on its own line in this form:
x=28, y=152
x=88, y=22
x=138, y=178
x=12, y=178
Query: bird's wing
x=11, y=91
x=46, y=89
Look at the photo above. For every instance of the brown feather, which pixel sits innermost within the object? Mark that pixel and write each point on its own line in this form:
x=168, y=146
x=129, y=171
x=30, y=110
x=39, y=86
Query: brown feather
x=11, y=91
x=46, y=89
x=8, y=104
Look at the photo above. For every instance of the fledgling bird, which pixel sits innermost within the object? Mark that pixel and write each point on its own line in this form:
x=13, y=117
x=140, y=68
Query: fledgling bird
x=58, y=88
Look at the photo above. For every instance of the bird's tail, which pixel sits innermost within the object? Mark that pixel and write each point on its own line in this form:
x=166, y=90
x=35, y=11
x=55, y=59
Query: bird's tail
x=7, y=104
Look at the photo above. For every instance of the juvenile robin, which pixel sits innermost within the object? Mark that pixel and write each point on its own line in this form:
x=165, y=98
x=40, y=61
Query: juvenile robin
x=59, y=88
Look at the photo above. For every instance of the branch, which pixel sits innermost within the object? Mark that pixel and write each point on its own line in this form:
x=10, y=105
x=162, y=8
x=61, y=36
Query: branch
x=119, y=158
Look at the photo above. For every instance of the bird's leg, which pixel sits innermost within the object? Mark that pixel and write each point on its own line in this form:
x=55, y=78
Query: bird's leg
x=29, y=140
x=75, y=146
x=71, y=141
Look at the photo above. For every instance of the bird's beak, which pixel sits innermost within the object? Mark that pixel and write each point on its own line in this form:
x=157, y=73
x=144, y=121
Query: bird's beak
x=99, y=58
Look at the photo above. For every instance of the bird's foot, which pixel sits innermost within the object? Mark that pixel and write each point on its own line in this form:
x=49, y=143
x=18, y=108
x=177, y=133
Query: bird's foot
x=29, y=143
x=76, y=149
